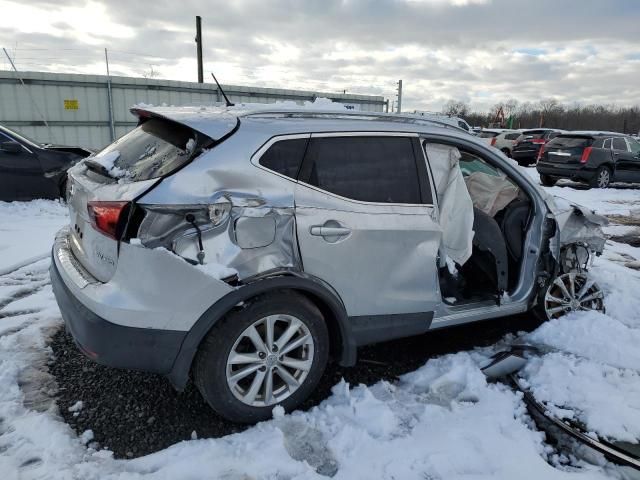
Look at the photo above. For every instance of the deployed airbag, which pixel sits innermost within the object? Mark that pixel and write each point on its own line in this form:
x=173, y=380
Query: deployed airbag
x=491, y=193
x=456, y=207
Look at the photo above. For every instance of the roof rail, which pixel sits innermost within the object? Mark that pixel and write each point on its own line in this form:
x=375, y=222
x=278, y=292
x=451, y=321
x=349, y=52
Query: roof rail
x=347, y=115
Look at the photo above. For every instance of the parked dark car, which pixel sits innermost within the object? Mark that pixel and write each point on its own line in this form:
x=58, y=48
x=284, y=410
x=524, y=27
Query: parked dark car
x=597, y=158
x=31, y=170
x=527, y=147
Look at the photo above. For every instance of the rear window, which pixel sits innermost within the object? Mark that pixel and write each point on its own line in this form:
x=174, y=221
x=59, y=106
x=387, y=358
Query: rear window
x=533, y=134
x=511, y=136
x=570, y=142
x=285, y=157
x=151, y=150
x=487, y=134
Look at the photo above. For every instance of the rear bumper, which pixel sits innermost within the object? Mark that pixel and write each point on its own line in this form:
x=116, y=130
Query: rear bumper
x=114, y=345
x=139, y=319
x=525, y=155
x=571, y=171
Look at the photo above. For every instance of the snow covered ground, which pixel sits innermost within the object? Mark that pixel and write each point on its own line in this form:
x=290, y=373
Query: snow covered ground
x=443, y=421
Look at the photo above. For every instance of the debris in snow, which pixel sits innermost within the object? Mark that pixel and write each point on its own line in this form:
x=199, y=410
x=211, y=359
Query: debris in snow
x=135, y=241
x=86, y=436
x=76, y=407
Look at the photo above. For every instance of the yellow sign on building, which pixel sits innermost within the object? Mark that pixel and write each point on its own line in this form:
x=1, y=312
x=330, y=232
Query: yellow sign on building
x=71, y=104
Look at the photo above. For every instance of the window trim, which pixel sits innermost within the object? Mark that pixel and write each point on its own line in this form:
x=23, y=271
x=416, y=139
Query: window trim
x=304, y=171
x=258, y=154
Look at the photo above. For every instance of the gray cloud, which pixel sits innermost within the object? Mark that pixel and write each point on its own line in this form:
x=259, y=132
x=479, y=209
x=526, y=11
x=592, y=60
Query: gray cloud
x=441, y=51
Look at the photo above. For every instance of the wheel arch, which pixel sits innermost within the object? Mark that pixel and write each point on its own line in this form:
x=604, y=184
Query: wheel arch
x=343, y=345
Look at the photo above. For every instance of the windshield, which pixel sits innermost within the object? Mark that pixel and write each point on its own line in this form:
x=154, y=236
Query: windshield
x=20, y=137
x=151, y=150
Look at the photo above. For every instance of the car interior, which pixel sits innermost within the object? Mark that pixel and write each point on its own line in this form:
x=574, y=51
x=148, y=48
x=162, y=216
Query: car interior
x=501, y=213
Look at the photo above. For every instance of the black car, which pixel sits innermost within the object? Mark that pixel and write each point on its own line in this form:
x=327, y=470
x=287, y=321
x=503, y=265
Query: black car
x=527, y=147
x=597, y=158
x=31, y=170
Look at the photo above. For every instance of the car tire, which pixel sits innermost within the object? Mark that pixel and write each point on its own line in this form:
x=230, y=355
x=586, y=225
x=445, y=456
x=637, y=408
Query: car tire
x=602, y=178
x=230, y=350
x=523, y=163
x=547, y=180
x=507, y=152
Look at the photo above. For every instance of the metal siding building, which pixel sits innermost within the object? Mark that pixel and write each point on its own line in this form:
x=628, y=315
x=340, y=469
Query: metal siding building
x=76, y=107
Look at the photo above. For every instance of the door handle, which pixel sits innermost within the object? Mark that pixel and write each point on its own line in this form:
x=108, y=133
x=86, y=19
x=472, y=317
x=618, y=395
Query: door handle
x=321, y=231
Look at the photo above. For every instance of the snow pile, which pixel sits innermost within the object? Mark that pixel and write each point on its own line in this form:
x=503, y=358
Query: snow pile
x=217, y=270
x=27, y=230
x=442, y=421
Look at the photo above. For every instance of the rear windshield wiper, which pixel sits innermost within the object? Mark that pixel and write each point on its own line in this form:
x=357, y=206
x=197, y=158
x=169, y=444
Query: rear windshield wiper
x=97, y=167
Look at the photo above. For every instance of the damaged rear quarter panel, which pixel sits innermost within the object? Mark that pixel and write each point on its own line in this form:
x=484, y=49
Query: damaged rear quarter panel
x=258, y=233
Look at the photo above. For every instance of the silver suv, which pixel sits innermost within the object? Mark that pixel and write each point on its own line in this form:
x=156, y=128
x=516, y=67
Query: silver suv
x=245, y=248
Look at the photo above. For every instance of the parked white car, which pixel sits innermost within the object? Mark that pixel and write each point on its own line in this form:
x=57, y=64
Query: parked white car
x=443, y=117
x=502, y=139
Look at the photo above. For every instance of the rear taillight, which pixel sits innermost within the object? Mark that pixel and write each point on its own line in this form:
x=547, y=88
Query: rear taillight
x=493, y=142
x=108, y=217
x=585, y=155
x=538, y=141
x=540, y=152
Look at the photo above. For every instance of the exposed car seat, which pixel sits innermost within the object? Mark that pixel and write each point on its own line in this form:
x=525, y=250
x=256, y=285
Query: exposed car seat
x=489, y=254
x=514, y=226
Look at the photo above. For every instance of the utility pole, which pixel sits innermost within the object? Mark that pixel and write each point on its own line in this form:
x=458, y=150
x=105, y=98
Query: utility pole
x=199, y=48
x=399, y=104
x=112, y=127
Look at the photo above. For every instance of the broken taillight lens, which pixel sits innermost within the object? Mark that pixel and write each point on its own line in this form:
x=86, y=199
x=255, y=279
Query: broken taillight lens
x=108, y=217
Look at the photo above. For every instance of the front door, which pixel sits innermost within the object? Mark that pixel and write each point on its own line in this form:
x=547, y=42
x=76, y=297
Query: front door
x=366, y=222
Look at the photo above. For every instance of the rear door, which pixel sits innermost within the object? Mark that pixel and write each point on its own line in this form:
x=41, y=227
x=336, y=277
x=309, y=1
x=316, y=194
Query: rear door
x=366, y=222
x=627, y=163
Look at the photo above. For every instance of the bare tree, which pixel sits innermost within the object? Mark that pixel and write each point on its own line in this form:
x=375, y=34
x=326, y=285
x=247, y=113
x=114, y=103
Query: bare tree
x=457, y=108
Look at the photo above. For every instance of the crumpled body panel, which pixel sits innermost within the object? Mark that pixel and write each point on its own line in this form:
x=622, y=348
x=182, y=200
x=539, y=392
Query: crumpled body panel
x=575, y=224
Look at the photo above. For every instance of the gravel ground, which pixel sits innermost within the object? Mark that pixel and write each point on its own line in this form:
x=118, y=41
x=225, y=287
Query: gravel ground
x=135, y=413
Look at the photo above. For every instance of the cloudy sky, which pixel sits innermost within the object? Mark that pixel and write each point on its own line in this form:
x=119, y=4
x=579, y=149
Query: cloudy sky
x=478, y=51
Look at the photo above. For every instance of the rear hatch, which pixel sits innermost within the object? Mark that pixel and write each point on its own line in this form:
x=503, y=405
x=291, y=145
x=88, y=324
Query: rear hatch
x=567, y=149
x=530, y=140
x=102, y=189
x=488, y=137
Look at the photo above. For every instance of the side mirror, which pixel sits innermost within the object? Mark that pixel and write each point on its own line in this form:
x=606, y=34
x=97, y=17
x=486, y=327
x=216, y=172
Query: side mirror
x=11, y=147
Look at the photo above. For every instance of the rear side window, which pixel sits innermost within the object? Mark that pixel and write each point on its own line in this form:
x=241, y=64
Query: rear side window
x=369, y=169
x=151, y=150
x=607, y=143
x=569, y=142
x=619, y=144
x=511, y=136
x=285, y=157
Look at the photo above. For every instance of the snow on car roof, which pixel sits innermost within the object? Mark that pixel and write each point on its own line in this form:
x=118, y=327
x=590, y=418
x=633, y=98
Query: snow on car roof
x=216, y=121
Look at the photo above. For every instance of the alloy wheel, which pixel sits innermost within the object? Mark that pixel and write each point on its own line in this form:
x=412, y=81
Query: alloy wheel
x=572, y=292
x=603, y=178
x=270, y=360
